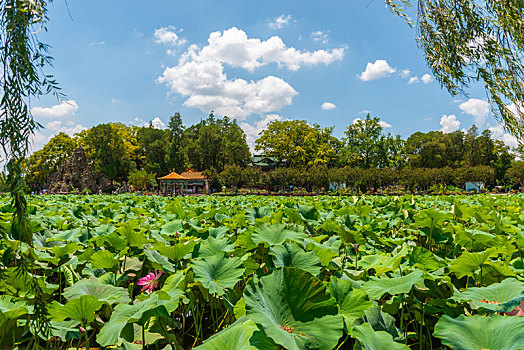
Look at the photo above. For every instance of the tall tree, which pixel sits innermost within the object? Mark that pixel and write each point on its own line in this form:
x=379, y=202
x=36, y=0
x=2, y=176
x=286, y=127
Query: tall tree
x=44, y=162
x=177, y=153
x=154, y=147
x=106, y=149
x=296, y=143
x=366, y=146
x=216, y=143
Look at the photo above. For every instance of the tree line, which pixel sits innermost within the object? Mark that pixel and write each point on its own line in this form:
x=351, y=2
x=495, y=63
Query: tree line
x=307, y=155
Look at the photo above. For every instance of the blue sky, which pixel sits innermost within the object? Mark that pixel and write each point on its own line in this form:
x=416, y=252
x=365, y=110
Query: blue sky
x=327, y=62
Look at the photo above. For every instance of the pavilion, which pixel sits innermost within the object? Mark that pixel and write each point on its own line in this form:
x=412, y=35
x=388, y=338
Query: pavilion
x=188, y=182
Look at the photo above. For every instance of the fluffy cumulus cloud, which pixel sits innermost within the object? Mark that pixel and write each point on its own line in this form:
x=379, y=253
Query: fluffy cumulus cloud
x=200, y=77
x=252, y=130
x=280, y=22
x=498, y=133
x=449, y=123
x=158, y=124
x=405, y=73
x=63, y=110
x=478, y=108
x=379, y=69
x=234, y=48
x=384, y=125
x=413, y=80
x=328, y=106
x=426, y=78
x=167, y=35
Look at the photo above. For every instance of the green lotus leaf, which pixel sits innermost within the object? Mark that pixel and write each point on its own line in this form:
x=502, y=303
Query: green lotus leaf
x=113, y=240
x=172, y=227
x=377, y=287
x=425, y=259
x=11, y=309
x=212, y=246
x=81, y=309
x=276, y=234
x=234, y=337
x=467, y=263
x=382, y=263
x=351, y=302
x=133, y=237
x=103, y=259
x=295, y=309
x=308, y=212
x=292, y=255
x=60, y=251
x=177, y=251
x=217, y=232
x=103, y=292
x=123, y=314
x=159, y=261
x=375, y=340
x=217, y=273
x=498, y=297
x=481, y=332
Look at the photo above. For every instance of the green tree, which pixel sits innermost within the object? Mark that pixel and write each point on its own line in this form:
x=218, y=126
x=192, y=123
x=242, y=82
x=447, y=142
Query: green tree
x=296, y=143
x=46, y=161
x=177, y=153
x=366, y=146
x=142, y=180
x=467, y=41
x=516, y=174
x=231, y=176
x=216, y=143
x=154, y=148
x=106, y=149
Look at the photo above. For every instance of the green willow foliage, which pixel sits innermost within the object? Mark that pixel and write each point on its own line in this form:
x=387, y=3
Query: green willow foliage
x=23, y=58
x=468, y=41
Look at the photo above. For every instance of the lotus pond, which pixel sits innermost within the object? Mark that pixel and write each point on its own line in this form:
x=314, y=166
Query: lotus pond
x=136, y=272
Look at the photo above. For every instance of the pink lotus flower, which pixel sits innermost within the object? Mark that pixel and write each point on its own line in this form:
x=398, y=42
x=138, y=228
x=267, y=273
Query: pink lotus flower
x=150, y=281
x=518, y=311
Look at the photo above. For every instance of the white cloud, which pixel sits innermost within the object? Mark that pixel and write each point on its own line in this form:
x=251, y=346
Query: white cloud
x=155, y=123
x=167, y=35
x=116, y=102
x=384, y=125
x=280, y=22
x=366, y=111
x=499, y=134
x=405, y=73
x=234, y=48
x=200, y=77
x=478, y=108
x=413, y=80
x=449, y=123
x=379, y=69
x=158, y=124
x=428, y=119
x=327, y=106
x=66, y=109
x=426, y=78
x=252, y=131
x=321, y=36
